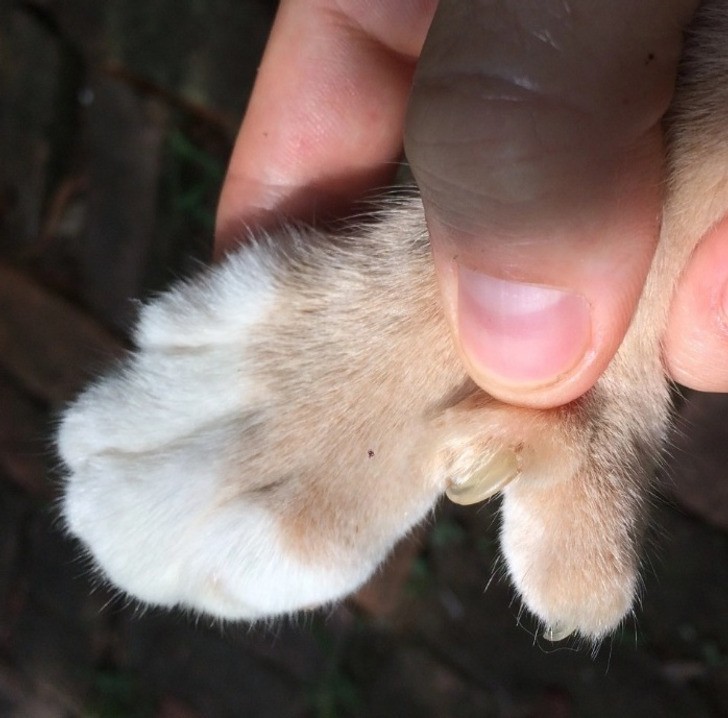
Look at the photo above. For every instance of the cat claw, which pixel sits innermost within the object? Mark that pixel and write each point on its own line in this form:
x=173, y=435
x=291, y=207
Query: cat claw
x=486, y=479
x=557, y=632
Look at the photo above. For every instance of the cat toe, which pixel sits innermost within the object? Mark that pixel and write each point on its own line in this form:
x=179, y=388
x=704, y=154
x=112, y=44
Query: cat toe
x=165, y=529
x=570, y=557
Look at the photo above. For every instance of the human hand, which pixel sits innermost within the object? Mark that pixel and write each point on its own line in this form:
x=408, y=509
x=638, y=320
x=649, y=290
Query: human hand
x=534, y=134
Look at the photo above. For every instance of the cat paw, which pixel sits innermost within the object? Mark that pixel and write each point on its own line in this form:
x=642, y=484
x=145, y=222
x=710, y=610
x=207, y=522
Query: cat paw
x=156, y=490
x=292, y=413
x=213, y=470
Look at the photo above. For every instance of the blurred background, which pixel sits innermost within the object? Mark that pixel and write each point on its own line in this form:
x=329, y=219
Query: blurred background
x=116, y=120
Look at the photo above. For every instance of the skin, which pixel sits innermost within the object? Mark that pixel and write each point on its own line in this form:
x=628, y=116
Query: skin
x=533, y=131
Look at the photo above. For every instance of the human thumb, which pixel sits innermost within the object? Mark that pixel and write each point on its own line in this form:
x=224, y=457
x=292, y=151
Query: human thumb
x=534, y=134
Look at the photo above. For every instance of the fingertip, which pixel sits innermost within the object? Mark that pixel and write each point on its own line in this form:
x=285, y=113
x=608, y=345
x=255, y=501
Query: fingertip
x=696, y=342
x=323, y=124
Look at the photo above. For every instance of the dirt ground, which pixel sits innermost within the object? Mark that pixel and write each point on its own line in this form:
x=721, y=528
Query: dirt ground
x=116, y=119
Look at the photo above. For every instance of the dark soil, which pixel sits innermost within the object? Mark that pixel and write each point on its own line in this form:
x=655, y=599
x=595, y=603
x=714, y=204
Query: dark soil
x=116, y=119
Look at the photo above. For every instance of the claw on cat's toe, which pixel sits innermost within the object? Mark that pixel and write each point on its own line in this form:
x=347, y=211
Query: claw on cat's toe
x=558, y=632
x=486, y=479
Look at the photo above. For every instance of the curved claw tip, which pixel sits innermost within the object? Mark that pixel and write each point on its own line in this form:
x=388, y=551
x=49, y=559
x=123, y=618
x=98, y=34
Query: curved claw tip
x=557, y=632
x=485, y=479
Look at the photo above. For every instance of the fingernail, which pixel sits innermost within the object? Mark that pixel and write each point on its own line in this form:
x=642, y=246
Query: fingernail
x=518, y=333
x=486, y=479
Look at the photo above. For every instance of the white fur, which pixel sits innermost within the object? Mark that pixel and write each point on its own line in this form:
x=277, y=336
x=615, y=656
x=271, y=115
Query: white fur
x=218, y=308
x=192, y=370
x=161, y=528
